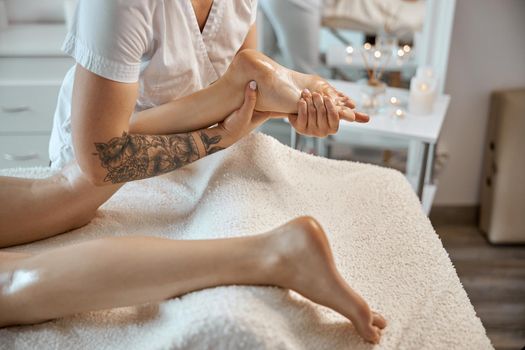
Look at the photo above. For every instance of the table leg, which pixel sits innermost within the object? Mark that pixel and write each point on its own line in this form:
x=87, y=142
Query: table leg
x=328, y=146
x=431, y=161
x=293, y=138
x=421, y=176
x=320, y=148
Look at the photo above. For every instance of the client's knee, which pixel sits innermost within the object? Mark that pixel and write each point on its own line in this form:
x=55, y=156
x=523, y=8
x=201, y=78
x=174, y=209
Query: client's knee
x=13, y=281
x=5, y=280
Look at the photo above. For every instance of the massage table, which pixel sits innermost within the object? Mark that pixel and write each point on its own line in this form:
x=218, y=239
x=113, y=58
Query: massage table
x=383, y=244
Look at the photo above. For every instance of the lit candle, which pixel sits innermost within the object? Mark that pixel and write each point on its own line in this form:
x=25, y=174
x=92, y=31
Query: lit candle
x=426, y=73
x=422, y=95
x=394, y=101
x=399, y=113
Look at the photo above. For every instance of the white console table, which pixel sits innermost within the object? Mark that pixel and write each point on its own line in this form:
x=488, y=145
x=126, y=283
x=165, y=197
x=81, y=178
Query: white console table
x=421, y=133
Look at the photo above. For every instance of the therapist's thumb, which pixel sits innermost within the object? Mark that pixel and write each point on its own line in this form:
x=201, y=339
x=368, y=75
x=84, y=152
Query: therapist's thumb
x=250, y=98
x=237, y=122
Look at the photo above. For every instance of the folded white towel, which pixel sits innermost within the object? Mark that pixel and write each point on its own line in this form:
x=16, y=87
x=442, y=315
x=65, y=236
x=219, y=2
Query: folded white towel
x=383, y=244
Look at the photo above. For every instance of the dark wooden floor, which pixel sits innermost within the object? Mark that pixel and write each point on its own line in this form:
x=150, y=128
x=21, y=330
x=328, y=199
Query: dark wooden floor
x=494, y=278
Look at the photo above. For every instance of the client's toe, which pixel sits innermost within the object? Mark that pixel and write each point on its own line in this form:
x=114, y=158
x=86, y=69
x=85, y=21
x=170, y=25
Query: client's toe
x=378, y=320
x=370, y=333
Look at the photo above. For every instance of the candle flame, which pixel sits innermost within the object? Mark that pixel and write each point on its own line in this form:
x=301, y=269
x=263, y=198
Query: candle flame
x=423, y=87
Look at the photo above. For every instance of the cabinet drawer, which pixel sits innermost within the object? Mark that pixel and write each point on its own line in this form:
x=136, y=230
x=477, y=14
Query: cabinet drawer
x=26, y=108
x=34, y=69
x=24, y=151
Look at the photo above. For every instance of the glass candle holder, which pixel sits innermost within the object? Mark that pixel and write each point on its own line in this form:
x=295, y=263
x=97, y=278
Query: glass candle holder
x=372, y=95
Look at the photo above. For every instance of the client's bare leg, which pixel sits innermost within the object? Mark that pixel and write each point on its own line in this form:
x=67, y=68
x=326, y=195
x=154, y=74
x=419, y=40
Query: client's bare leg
x=33, y=209
x=117, y=272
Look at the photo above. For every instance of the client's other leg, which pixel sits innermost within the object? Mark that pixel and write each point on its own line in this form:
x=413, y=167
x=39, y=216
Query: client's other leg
x=33, y=209
x=117, y=272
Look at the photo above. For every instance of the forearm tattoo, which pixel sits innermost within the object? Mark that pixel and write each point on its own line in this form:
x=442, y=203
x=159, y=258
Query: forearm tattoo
x=208, y=142
x=134, y=157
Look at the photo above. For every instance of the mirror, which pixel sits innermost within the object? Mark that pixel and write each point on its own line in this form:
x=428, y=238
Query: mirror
x=375, y=44
x=344, y=39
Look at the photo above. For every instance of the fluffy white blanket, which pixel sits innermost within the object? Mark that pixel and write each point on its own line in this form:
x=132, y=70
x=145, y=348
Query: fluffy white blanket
x=383, y=244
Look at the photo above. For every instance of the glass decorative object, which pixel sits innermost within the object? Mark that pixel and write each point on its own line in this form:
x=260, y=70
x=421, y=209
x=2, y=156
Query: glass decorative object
x=372, y=95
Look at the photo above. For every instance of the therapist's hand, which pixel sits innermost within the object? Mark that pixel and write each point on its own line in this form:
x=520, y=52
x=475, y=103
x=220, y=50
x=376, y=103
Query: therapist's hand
x=318, y=115
x=241, y=122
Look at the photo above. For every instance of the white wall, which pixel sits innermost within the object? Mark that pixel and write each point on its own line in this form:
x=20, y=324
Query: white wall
x=487, y=53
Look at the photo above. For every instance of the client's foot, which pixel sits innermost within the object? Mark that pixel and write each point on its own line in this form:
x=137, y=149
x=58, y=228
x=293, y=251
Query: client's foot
x=279, y=88
x=303, y=262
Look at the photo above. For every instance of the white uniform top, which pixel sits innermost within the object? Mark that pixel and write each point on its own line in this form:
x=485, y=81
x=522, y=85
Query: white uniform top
x=155, y=42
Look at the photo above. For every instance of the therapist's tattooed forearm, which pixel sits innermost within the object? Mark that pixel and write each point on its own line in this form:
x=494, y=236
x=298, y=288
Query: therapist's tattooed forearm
x=209, y=142
x=134, y=157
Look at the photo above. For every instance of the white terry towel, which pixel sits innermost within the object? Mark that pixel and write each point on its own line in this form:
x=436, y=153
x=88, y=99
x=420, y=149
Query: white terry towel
x=383, y=244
